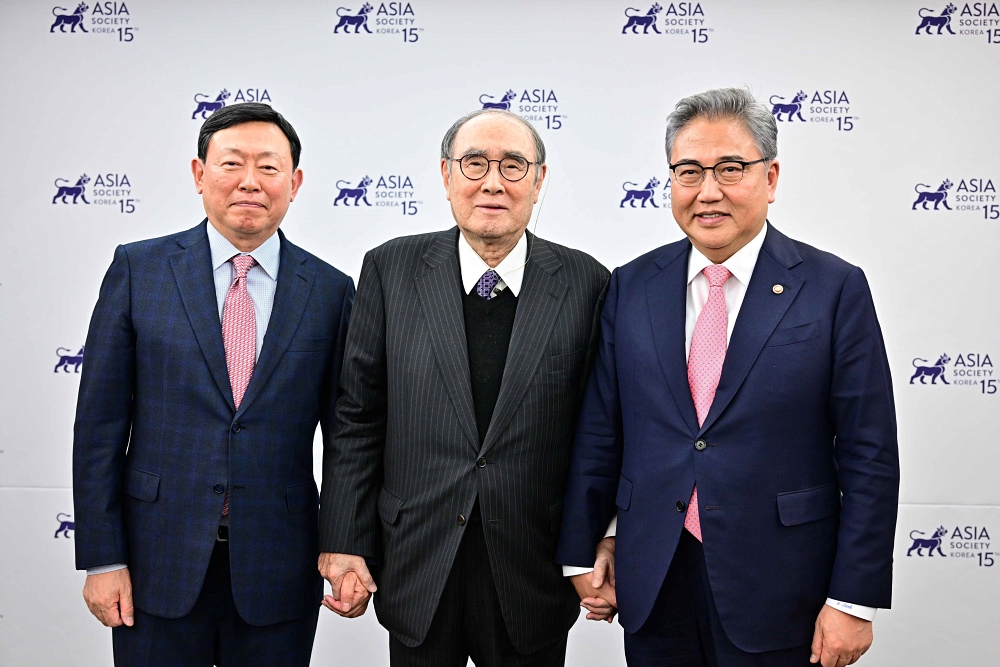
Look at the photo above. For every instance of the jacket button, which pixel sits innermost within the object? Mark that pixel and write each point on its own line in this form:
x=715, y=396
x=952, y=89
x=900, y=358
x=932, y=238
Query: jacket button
x=237, y=427
x=481, y=462
x=218, y=488
x=700, y=445
x=461, y=519
x=681, y=506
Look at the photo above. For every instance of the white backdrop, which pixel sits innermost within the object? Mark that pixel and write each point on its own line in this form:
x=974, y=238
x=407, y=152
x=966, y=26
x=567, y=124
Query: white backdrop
x=885, y=110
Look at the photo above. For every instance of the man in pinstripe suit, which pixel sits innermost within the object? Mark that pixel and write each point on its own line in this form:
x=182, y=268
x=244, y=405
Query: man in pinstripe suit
x=463, y=372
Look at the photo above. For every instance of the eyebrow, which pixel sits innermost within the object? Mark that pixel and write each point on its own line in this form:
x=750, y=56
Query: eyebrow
x=724, y=158
x=478, y=152
x=237, y=151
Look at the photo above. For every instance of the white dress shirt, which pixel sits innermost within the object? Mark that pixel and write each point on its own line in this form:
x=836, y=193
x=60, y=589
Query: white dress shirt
x=510, y=269
x=741, y=266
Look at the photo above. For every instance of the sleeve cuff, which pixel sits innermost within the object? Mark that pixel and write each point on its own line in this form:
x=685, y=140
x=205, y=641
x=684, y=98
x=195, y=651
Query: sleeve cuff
x=867, y=613
x=573, y=570
x=101, y=569
x=612, y=526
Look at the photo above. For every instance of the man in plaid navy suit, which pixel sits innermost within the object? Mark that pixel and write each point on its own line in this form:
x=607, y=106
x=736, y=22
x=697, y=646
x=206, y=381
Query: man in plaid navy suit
x=212, y=355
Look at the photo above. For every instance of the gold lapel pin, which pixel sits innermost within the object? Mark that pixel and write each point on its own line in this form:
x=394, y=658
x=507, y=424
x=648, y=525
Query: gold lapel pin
x=778, y=289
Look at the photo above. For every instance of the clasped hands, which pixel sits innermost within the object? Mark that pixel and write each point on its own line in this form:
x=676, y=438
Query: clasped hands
x=597, y=589
x=351, y=585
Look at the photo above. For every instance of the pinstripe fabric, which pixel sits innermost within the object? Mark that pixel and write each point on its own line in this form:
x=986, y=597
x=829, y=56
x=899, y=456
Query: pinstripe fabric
x=403, y=464
x=156, y=430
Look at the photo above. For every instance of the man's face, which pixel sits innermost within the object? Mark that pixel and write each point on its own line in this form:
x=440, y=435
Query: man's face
x=721, y=219
x=247, y=182
x=493, y=208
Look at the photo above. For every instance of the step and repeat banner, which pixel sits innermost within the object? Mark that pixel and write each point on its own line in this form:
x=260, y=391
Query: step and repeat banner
x=888, y=144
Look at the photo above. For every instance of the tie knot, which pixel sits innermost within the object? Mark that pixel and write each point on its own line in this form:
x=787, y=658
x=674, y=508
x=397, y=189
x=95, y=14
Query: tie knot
x=717, y=274
x=243, y=263
x=487, y=282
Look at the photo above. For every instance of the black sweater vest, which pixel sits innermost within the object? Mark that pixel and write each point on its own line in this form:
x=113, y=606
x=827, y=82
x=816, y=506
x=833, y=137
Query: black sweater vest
x=488, y=325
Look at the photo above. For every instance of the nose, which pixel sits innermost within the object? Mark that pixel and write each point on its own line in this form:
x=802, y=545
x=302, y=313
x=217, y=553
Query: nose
x=248, y=182
x=492, y=182
x=710, y=190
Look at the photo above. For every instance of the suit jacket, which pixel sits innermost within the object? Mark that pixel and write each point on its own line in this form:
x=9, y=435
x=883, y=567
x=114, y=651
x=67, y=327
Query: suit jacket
x=796, y=464
x=407, y=460
x=156, y=430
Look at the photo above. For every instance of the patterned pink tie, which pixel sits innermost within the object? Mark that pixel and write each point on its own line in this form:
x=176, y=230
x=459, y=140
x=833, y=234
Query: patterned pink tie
x=708, y=351
x=239, y=335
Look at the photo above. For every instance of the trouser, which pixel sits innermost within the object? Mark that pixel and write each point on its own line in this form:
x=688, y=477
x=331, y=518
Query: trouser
x=213, y=633
x=684, y=630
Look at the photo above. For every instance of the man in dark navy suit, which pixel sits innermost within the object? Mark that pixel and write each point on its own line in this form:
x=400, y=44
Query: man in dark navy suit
x=212, y=355
x=740, y=421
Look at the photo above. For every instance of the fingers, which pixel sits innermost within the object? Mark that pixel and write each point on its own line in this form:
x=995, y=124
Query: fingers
x=347, y=590
x=817, y=644
x=600, y=565
x=365, y=577
x=126, y=609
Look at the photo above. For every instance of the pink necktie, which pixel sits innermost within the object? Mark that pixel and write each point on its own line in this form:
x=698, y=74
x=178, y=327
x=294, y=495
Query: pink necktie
x=239, y=336
x=708, y=351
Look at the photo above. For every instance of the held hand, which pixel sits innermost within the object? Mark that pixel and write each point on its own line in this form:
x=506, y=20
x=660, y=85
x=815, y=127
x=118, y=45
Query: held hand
x=597, y=589
x=109, y=597
x=840, y=639
x=351, y=584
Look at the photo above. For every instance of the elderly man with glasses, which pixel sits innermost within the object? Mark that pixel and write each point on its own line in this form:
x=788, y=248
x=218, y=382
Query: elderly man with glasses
x=738, y=432
x=463, y=373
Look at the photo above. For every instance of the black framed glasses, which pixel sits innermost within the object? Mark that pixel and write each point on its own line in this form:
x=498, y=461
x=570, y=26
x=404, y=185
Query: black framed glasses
x=727, y=172
x=475, y=167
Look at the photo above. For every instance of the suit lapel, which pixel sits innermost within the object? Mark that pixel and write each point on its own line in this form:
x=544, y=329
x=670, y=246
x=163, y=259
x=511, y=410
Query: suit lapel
x=666, y=297
x=441, y=300
x=760, y=313
x=192, y=267
x=291, y=294
x=538, y=306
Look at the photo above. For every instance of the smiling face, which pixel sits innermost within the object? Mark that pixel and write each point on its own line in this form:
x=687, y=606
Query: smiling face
x=721, y=219
x=247, y=182
x=492, y=210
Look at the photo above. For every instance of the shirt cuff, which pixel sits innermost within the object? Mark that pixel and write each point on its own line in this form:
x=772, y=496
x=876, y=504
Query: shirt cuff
x=573, y=570
x=101, y=569
x=867, y=613
x=612, y=527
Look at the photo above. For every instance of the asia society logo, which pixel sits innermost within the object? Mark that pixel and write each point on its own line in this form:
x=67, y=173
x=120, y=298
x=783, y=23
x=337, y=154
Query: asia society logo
x=969, y=542
x=106, y=18
x=105, y=189
x=537, y=105
x=819, y=106
x=971, y=195
x=975, y=19
x=206, y=105
x=645, y=194
x=391, y=18
x=65, y=525
x=678, y=18
x=972, y=369
x=68, y=360
x=389, y=191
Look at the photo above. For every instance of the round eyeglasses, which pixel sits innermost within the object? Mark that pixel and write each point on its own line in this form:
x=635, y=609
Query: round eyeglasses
x=727, y=172
x=475, y=167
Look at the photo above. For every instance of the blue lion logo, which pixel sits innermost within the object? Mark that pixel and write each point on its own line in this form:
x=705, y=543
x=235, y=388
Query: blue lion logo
x=931, y=544
x=939, y=196
x=933, y=372
x=503, y=104
x=359, y=20
x=647, y=20
x=941, y=21
x=358, y=193
x=74, y=191
x=641, y=194
x=206, y=108
x=64, y=525
x=793, y=108
x=74, y=20
x=66, y=359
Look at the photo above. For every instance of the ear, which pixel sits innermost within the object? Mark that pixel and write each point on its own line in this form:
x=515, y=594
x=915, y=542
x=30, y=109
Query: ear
x=446, y=179
x=543, y=170
x=296, y=183
x=198, y=171
x=773, y=170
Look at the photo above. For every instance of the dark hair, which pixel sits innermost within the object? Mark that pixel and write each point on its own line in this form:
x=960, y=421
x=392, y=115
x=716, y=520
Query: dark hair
x=247, y=112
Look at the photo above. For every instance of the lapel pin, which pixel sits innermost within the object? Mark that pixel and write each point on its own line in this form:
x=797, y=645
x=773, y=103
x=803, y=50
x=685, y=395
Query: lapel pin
x=778, y=289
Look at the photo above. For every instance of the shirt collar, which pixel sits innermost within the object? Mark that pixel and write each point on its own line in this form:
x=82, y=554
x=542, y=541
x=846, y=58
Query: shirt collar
x=510, y=269
x=741, y=264
x=266, y=254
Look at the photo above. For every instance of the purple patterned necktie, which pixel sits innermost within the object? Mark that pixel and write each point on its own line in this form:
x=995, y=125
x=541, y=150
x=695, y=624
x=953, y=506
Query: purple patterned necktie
x=487, y=282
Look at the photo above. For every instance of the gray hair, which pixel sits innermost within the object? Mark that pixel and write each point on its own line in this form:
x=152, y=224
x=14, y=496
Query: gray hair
x=448, y=143
x=736, y=103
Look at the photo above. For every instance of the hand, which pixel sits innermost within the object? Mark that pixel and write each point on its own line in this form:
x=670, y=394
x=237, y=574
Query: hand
x=109, y=597
x=840, y=639
x=597, y=589
x=350, y=582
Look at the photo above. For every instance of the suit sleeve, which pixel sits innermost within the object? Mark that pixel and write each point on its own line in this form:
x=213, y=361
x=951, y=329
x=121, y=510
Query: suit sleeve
x=866, y=451
x=331, y=389
x=595, y=467
x=104, y=422
x=352, y=462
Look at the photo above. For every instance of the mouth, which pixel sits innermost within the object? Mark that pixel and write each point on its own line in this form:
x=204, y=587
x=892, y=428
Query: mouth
x=710, y=218
x=248, y=204
x=491, y=208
